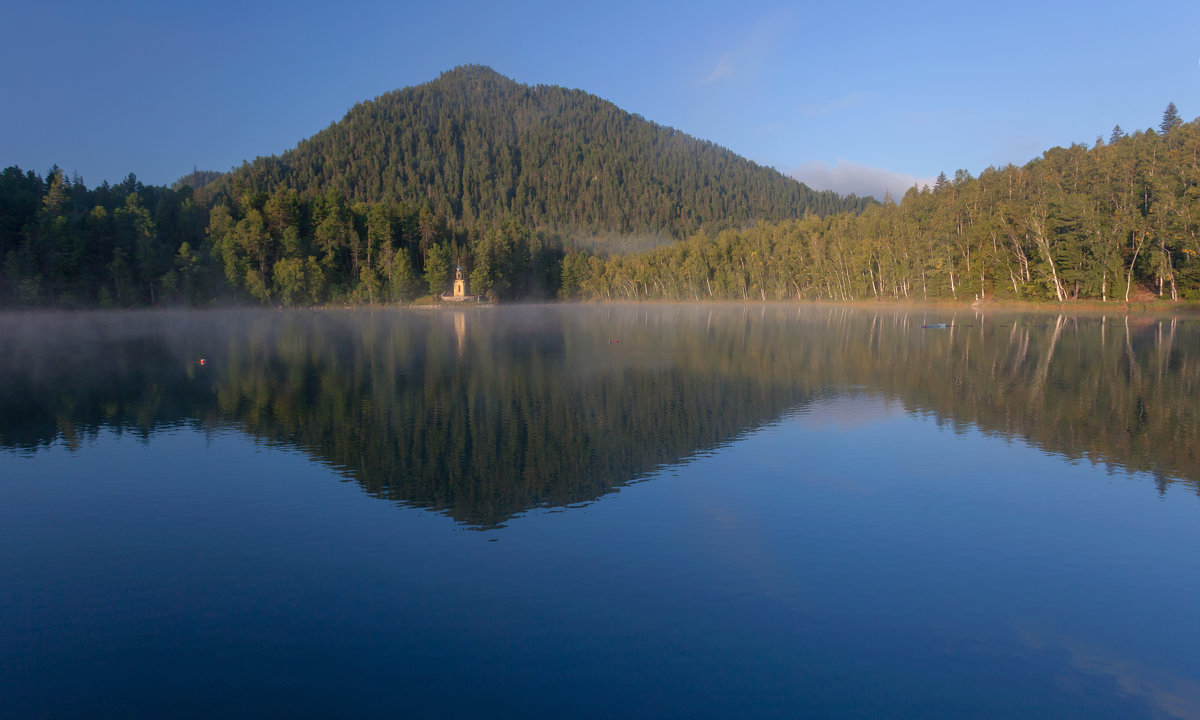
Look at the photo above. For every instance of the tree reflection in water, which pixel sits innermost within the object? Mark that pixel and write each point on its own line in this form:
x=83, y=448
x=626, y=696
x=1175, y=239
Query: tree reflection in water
x=486, y=413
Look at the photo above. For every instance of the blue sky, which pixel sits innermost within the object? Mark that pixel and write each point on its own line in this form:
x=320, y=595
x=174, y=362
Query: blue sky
x=853, y=96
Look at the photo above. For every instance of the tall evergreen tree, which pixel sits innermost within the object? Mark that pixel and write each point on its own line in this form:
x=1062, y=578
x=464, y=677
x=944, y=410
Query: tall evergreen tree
x=1170, y=119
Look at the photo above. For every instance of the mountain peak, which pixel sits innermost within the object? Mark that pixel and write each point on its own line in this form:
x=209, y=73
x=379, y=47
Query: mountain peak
x=480, y=147
x=465, y=73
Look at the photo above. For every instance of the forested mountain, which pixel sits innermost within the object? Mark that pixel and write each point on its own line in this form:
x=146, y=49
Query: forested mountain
x=479, y=148
x=477, y=171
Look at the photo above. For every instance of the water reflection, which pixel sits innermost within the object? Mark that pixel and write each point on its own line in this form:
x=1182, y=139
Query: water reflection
x=1163, y=692
x=485, y=414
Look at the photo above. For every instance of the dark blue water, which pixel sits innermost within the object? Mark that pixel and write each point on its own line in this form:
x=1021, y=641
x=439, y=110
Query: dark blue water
x=198, y=541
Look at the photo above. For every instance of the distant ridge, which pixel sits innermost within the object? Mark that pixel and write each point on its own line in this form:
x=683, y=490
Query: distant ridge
x=478, y=147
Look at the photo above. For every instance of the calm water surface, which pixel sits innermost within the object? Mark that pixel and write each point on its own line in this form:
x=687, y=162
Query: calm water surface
x=599, y=512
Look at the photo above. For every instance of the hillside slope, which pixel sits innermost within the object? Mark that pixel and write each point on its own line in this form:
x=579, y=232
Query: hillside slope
x=478, y=147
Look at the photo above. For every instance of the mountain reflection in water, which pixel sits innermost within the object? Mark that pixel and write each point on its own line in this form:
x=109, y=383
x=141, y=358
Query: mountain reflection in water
x=486, y=413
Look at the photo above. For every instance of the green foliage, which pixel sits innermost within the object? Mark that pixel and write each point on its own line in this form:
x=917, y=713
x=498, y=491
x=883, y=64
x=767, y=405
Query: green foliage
x=402, y=281
x=477, y=148
x=299, y=282
x=197, y=179
x=503, y=262
x=1110, y=223
x=476, y=171
x=64, y=244
x=1170, y=119
x=437, y=268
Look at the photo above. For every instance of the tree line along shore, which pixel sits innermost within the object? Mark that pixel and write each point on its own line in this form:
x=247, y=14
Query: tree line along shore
x=1117, y=221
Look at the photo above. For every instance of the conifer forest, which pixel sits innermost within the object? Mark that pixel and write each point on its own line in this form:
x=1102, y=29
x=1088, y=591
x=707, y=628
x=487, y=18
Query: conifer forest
x=542, y=193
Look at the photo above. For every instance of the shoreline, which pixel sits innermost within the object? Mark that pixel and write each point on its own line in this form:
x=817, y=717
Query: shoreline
x=1092, y=307
x=1074, y=307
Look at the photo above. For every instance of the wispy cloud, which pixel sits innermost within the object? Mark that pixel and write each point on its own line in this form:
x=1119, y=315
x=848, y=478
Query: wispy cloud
x=848, y=177
x=744, y=58
x=836, y=105
x=724, y=69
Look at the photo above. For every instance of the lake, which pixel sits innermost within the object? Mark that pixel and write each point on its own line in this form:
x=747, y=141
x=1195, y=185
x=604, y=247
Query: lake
x=599, y=511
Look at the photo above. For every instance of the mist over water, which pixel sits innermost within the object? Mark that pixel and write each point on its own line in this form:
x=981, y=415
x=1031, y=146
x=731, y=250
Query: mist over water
x=662, y=382
x=766, y=510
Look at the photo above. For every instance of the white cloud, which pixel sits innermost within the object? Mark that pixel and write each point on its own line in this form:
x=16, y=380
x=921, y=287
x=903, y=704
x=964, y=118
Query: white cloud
x=723, y=69
x=848, y=177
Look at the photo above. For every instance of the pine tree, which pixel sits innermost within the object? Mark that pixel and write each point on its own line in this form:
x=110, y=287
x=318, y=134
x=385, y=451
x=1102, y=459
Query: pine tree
x=437, y=268
x=1170, y=119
